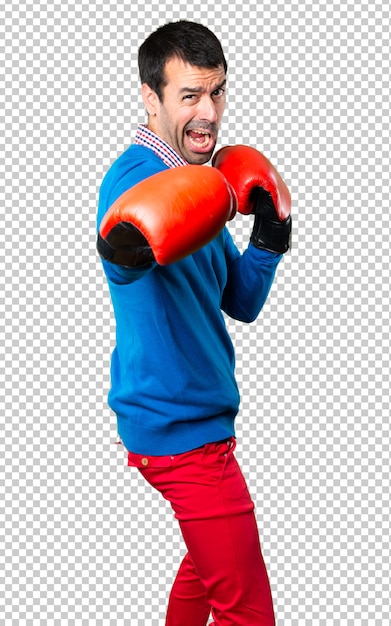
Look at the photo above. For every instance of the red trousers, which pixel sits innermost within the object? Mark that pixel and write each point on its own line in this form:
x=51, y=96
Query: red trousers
x=223, y=572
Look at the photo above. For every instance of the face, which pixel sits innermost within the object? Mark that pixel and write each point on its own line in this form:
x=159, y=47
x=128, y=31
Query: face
x=189, y=117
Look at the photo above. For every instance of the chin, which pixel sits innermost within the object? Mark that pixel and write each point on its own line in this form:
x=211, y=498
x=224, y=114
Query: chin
x=200, y=159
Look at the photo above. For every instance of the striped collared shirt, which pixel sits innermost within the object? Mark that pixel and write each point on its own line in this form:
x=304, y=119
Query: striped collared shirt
x=145, y=137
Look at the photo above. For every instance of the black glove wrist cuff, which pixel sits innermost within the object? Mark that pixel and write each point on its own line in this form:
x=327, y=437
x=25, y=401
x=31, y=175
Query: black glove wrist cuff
x=271, y=235
x=134, y=254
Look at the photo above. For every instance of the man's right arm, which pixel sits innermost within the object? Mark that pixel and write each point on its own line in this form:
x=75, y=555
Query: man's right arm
x=166, y=217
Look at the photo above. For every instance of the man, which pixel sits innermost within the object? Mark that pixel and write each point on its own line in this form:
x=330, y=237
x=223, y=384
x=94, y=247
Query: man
x=172, y=268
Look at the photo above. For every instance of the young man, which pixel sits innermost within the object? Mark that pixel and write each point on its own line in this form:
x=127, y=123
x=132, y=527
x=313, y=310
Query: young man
x=172, y=268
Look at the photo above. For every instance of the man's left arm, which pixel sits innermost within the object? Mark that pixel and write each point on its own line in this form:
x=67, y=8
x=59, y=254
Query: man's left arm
x=250, y=277
x=260, y=191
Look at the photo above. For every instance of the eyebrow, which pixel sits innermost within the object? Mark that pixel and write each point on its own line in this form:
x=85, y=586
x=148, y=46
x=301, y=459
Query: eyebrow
x=200, y=89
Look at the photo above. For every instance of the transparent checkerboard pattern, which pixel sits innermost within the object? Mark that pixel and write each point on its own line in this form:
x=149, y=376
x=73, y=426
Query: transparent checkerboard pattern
x=83, y=539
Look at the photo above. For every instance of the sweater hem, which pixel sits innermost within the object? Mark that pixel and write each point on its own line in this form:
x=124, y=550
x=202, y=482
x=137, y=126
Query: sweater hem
x=176, y=438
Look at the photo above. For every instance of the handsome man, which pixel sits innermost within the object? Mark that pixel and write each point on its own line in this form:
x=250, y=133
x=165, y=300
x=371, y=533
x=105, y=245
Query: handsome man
x=172, y=268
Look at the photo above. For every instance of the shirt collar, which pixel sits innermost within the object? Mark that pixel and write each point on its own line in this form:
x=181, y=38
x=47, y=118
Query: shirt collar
x=145, y=137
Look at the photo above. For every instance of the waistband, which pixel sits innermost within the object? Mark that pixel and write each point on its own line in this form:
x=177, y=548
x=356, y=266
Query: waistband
x=146, y=460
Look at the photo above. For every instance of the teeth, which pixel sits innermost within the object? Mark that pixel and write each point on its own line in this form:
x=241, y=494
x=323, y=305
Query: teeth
x=199, y=143
x=202, y=138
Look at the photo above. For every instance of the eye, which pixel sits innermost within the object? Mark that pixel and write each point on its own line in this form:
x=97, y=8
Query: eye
x=218, y=93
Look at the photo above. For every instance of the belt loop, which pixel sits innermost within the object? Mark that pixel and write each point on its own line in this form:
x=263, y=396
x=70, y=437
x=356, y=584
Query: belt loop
x=232, y=445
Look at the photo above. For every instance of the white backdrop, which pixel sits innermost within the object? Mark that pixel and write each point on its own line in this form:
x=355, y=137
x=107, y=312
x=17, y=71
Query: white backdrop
x=83, y=539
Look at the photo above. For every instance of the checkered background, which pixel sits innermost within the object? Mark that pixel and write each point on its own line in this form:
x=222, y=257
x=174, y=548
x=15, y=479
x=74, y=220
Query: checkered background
x=84, y=540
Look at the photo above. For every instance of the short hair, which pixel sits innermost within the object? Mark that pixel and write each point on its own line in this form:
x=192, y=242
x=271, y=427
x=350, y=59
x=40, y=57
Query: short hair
x=190, y=41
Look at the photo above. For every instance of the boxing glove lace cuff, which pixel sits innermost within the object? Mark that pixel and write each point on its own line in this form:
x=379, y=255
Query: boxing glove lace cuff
x=271, y=235
x=135, y=255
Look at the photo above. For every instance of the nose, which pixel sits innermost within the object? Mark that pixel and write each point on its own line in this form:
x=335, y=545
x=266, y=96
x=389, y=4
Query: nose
x=207, y=109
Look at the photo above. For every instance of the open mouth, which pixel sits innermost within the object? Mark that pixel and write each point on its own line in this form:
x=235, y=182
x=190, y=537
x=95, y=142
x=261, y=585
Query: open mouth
x=200, y=140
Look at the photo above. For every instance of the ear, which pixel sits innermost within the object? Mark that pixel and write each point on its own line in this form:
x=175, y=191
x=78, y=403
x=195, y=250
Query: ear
x=150, y=99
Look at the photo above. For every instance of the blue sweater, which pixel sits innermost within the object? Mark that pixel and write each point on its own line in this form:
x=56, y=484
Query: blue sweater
x=173, y=384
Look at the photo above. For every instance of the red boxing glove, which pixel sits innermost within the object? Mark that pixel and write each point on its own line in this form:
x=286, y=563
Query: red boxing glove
x=166, y=217
x=261, y=191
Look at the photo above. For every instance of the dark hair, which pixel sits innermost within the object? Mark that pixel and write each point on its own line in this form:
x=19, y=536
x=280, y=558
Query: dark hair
x=193, y=43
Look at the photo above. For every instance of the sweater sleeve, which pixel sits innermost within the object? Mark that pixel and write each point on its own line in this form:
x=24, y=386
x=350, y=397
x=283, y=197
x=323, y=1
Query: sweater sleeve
x=250, y=277
x=136, y=164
